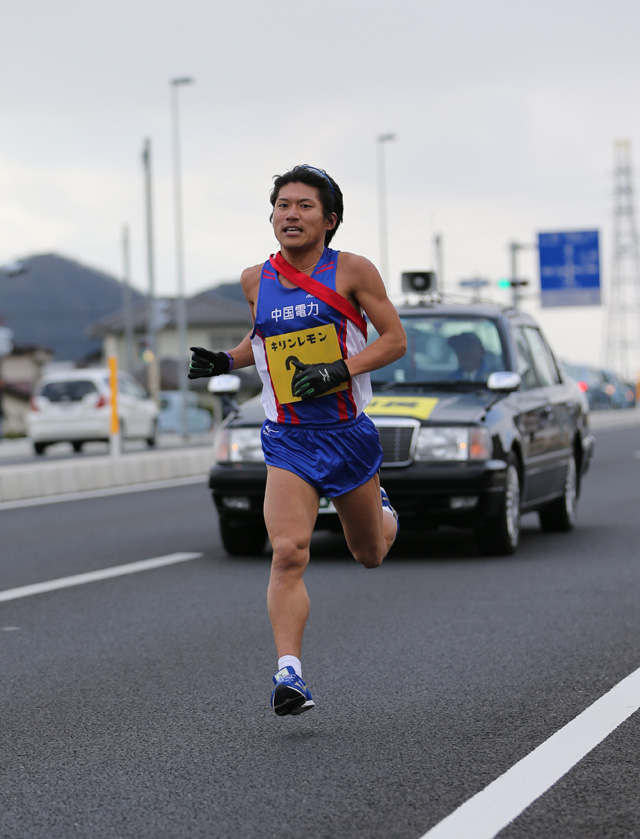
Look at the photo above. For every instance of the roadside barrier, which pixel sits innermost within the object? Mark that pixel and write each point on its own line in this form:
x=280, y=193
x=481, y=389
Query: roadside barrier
x=36, y=480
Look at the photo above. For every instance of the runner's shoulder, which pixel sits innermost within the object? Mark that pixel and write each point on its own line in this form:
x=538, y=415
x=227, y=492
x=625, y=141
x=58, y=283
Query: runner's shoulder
x=349, y=260
x=250, y=277
x=356, y=269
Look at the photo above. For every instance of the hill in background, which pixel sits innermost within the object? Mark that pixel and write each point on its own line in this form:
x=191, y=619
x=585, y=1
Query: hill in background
x=54, y=302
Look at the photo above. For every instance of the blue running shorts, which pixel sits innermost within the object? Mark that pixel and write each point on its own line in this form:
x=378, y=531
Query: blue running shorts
x=332, y=458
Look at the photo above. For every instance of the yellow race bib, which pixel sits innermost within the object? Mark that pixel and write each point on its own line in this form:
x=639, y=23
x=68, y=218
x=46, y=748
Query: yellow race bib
x=310, y=346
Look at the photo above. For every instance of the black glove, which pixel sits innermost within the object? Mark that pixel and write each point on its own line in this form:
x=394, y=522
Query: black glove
x=313, y=380
x=205, y=363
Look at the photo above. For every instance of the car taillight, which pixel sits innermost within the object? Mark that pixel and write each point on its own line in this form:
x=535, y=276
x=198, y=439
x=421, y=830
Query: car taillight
x=33, y=405
x=102, y=401
x=584, y=387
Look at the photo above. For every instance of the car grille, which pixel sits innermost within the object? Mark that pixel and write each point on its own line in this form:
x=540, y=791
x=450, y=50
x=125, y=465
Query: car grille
x=397, y=440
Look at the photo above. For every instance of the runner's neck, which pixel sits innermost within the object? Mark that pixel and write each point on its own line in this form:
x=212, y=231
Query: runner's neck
x=299, y=261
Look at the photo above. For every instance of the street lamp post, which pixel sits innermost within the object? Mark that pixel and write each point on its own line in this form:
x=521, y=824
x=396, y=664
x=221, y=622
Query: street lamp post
x=153, y=369
x=382, y=206
x=181, y=307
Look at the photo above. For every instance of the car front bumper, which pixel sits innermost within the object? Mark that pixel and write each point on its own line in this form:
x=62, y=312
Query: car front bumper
x=425, y=495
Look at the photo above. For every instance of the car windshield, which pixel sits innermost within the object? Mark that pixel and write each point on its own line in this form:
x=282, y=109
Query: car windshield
x=444, y=349
x=68, y=391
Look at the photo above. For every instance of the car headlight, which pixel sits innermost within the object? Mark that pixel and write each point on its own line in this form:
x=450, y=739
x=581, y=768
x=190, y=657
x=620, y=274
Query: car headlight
x=239, y=445
x=453, y=443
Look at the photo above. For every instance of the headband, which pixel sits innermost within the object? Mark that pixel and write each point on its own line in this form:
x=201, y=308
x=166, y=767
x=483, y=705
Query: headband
x=319, y=172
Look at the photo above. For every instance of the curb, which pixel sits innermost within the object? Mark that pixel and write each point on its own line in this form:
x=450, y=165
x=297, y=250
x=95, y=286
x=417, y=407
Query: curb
x=605, y=420
x=38, y=480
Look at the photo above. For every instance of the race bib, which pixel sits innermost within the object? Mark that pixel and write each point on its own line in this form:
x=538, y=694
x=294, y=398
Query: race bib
x=310, y=346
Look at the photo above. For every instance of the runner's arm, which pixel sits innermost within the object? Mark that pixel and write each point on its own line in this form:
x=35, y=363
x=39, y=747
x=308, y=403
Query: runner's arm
x=364, y=284
x=242, y=354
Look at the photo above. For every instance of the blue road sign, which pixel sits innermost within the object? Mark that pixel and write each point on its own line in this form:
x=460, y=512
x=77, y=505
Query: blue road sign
x=569, y=268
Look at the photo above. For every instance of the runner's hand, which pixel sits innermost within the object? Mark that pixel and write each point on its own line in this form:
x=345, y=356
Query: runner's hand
x=205, y=363
x=313, y=380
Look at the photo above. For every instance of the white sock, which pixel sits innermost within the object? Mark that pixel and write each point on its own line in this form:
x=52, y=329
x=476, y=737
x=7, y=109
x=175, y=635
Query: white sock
x=290, y=661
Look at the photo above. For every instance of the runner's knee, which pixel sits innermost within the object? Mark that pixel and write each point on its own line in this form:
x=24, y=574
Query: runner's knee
x=369, y=558
x=289, y=556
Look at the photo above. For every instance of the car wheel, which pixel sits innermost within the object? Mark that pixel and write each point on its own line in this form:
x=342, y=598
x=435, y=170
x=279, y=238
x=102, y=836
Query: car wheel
x=241, y=537
x=500, y=535
x=77, y=445
x=152, y=440
x=560, y=515
x=39, y=448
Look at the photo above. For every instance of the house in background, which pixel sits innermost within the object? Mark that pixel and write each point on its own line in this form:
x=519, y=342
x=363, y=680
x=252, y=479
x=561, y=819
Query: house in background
x=19, y=372
x=213, y=321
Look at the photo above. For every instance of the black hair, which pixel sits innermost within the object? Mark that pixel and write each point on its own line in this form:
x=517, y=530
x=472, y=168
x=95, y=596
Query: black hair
x=329, y=191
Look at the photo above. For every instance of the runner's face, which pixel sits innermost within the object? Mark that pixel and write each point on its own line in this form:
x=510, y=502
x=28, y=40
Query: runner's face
x=298, y=217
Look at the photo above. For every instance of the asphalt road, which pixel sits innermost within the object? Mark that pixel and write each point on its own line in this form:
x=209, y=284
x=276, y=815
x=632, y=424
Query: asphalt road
x=138, y=706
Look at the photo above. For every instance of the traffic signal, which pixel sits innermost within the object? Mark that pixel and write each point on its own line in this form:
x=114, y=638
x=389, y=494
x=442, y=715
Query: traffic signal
x=504, y=283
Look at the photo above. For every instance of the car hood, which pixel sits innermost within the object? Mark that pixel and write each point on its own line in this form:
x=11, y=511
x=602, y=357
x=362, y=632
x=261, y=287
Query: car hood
x=442, y=407
x=456, y=408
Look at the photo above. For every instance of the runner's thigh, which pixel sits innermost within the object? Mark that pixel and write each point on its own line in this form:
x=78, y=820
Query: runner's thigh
x=290, y=507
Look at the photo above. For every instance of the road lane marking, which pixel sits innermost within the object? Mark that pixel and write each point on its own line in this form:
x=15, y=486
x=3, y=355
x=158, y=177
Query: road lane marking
x=94, y=576
x=496, y=806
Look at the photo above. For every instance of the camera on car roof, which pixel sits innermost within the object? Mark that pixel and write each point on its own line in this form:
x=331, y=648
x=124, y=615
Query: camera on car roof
x=419, y=281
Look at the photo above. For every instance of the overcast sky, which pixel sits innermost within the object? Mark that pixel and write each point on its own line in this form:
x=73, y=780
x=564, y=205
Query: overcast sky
x=505, y=115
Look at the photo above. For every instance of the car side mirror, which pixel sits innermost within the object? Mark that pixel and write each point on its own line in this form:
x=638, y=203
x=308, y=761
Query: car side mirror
x=505, y=381
x=226, y=384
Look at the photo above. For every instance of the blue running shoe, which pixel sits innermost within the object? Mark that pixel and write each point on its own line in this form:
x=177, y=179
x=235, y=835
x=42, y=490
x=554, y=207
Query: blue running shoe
x=386, y=505
x=290, y=695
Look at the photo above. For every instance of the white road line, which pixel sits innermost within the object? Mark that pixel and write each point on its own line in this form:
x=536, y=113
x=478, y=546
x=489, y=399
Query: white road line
x=93, y=576
x=492, y=809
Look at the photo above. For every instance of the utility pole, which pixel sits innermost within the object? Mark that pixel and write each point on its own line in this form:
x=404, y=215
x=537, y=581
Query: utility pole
x=126, y=301
x=382, y=208
x=515, y=283
x=181, y=305
x=153, y=368
x=622, y=342
x=437, y=244
x=514, y=247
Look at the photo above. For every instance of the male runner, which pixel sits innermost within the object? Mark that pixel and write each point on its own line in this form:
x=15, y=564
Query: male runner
x=313, y=359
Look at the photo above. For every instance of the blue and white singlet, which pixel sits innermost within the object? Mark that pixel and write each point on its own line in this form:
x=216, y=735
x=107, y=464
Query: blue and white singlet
x=290, y=323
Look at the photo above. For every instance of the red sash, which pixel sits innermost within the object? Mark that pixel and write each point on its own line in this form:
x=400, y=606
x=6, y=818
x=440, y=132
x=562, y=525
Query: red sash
x=311, y=286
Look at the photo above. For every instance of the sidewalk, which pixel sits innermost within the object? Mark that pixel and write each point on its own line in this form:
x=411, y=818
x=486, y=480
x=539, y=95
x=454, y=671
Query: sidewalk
x=42, y=478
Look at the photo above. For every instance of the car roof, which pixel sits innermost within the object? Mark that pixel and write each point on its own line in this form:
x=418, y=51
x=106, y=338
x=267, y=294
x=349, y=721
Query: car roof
x=492, y=311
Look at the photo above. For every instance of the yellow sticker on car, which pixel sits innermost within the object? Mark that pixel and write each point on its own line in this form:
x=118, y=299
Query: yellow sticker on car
x=419, y=407
x=309, y=346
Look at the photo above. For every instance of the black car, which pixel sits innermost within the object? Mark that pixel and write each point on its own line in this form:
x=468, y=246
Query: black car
x=478, y=425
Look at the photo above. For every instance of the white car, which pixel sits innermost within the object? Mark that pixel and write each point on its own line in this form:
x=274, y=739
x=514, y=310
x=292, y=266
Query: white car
x=75, y=407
